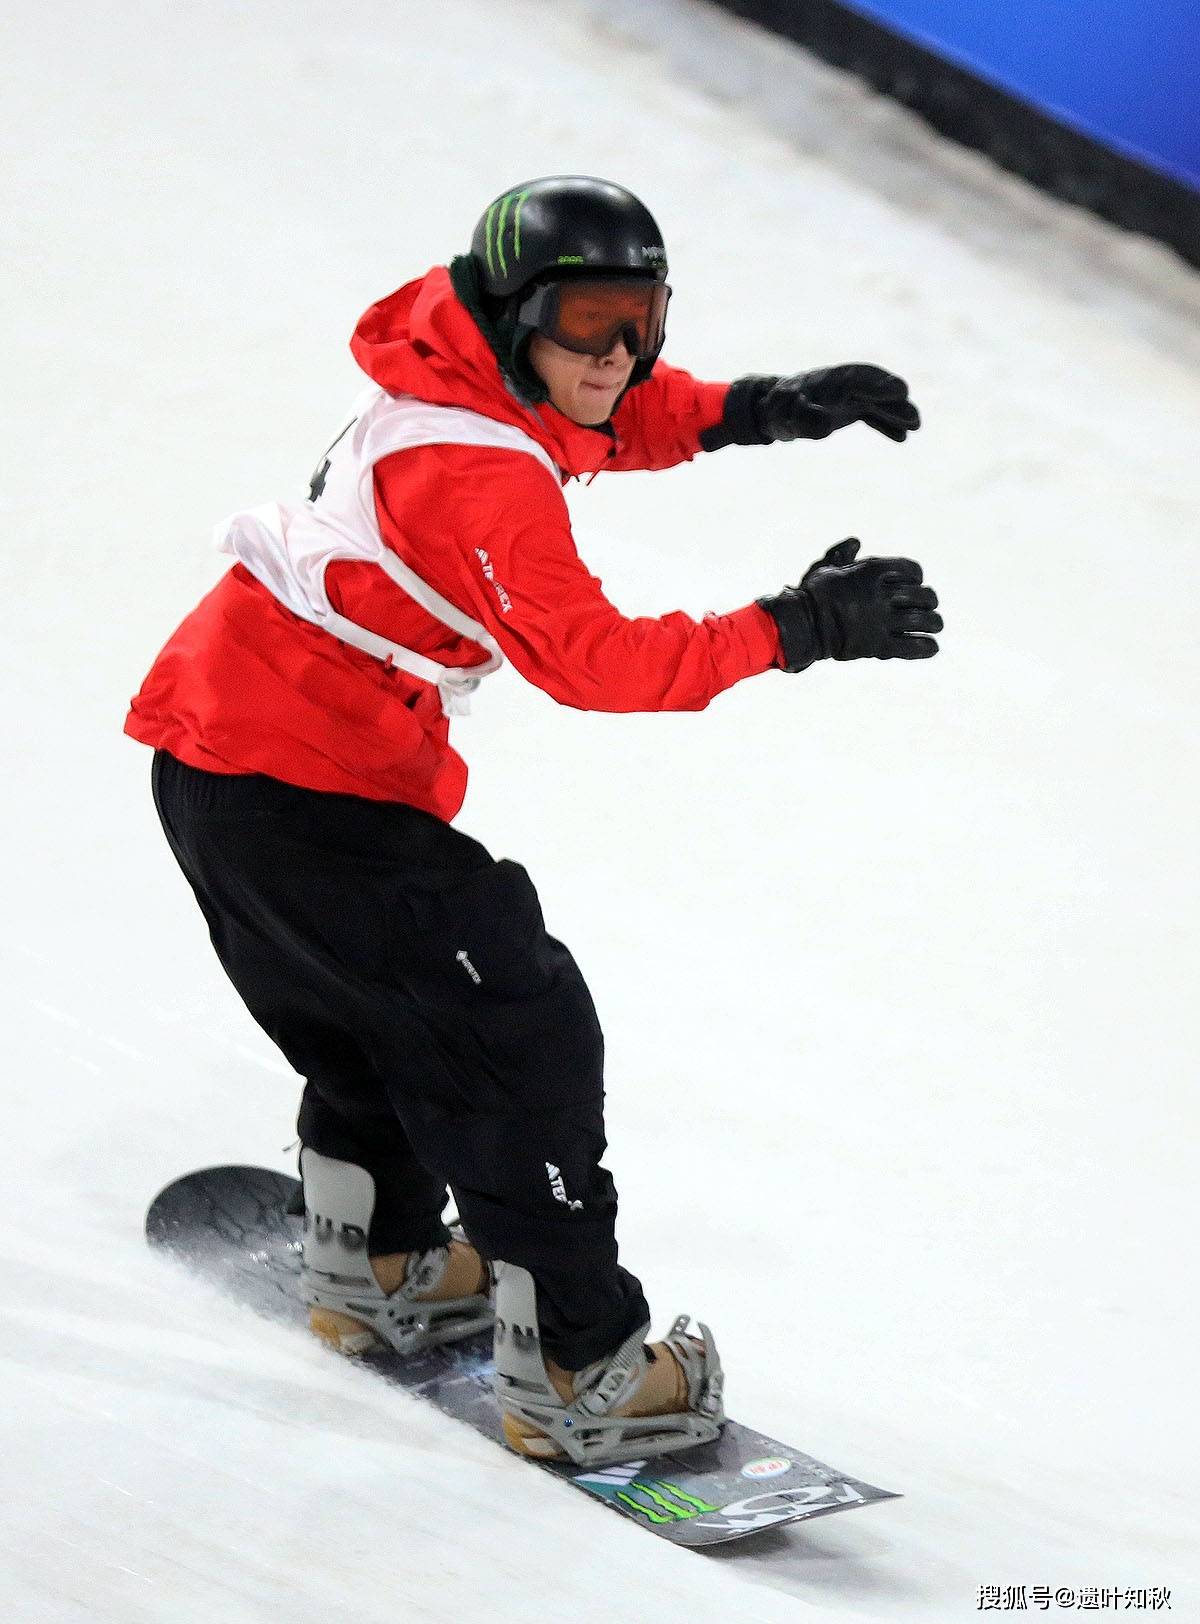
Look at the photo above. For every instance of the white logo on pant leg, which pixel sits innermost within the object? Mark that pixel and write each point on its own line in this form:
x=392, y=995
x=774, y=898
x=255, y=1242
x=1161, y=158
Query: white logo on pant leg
x=560, y=1189
x=462, y=958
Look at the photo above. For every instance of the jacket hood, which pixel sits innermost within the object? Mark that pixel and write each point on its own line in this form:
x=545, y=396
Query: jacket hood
x=423, y=341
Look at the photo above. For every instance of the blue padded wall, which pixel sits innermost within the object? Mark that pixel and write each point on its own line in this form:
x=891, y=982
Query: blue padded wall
x=1124, y=72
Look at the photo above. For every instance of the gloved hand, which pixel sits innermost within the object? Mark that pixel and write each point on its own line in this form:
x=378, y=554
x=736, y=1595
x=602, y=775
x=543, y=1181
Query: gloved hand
x=811, y=405
x=871, y=609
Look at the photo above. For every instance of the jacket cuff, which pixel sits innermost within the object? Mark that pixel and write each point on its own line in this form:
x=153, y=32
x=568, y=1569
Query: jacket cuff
x=739, y=420
x=759, y=632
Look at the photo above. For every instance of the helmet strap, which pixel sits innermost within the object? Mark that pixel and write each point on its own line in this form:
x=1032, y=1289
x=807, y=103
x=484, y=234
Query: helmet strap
x=499, y=327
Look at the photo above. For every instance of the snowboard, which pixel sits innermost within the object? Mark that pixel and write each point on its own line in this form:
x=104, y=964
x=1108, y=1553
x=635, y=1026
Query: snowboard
x=241, y=1227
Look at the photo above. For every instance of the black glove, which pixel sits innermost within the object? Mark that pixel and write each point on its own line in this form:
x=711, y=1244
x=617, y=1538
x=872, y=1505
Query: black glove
x=811, y=405
x=843, y=610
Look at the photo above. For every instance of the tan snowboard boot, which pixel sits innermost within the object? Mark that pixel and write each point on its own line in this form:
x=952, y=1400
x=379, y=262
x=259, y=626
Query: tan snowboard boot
x=637, y=1402
x=662, y=1390
x=401, y=1300
x=465, y=1277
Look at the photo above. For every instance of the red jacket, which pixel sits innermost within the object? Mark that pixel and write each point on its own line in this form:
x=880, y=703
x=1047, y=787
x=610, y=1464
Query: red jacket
x=244, y=685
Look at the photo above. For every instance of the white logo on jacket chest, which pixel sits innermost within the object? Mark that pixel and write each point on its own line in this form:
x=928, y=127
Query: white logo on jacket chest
x=490, y=574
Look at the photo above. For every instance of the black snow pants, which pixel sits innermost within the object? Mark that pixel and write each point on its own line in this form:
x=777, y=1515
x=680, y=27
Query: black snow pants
x=443, y=1035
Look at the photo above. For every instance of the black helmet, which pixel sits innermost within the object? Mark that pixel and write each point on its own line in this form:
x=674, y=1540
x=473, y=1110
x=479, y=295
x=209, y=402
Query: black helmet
x=546, y=230
x=565, y=224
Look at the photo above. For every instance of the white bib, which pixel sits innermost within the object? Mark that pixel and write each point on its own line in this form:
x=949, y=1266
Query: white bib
x=289, y=549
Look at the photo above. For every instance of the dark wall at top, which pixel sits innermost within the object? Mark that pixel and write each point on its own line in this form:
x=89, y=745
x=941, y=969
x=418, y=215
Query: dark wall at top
x=1095, y=102
x=1121, y=71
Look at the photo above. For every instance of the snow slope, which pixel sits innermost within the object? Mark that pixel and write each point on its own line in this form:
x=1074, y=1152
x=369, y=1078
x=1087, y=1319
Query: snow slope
x=898, y=965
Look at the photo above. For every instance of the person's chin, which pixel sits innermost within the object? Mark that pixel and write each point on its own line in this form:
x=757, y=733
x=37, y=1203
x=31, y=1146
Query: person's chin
x=595, y=405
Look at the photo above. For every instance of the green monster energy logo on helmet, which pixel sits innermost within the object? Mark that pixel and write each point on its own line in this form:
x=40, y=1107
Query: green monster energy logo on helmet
x=494, y=240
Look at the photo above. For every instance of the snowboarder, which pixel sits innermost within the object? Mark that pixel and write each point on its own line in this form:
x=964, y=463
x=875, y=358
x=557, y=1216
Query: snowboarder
x=306, y=784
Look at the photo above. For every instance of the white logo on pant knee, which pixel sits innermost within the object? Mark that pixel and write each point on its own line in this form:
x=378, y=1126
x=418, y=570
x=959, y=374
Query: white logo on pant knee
x=560, y=1189
x=462, y=958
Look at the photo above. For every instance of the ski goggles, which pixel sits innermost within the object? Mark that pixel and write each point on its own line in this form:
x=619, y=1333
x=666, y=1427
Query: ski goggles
x=588, y=315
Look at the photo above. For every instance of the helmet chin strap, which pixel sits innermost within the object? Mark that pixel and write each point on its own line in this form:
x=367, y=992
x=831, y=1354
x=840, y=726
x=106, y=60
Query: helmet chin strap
x=501, y=333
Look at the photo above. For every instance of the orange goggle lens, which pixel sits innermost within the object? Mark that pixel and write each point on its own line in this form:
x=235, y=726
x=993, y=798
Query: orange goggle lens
x=590, y=316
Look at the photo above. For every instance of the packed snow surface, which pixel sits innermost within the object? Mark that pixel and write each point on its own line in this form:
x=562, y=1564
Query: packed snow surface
x=897, y=962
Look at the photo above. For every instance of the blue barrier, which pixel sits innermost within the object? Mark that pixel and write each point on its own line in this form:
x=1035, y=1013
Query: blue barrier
x=1092, y=100
x=1123, y=72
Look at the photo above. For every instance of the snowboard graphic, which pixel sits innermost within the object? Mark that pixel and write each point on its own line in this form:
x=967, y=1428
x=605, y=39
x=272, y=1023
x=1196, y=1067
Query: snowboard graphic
x=233, y=1225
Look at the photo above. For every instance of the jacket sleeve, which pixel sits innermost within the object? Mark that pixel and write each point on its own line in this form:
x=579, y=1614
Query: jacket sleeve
x=506, y=556
x=659, y=423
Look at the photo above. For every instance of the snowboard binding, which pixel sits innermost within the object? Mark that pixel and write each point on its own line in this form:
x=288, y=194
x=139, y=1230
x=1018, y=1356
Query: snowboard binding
x=348, y=1308
x=588, y=1428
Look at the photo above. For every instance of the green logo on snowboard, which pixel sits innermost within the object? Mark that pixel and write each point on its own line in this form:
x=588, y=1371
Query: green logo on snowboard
x=655, y=1500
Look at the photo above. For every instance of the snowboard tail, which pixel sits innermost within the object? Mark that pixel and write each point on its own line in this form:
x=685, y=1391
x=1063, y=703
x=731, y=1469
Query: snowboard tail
x=241, y=1227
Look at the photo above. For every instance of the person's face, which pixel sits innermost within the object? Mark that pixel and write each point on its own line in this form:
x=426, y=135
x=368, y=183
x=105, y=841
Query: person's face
x=584, y=388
